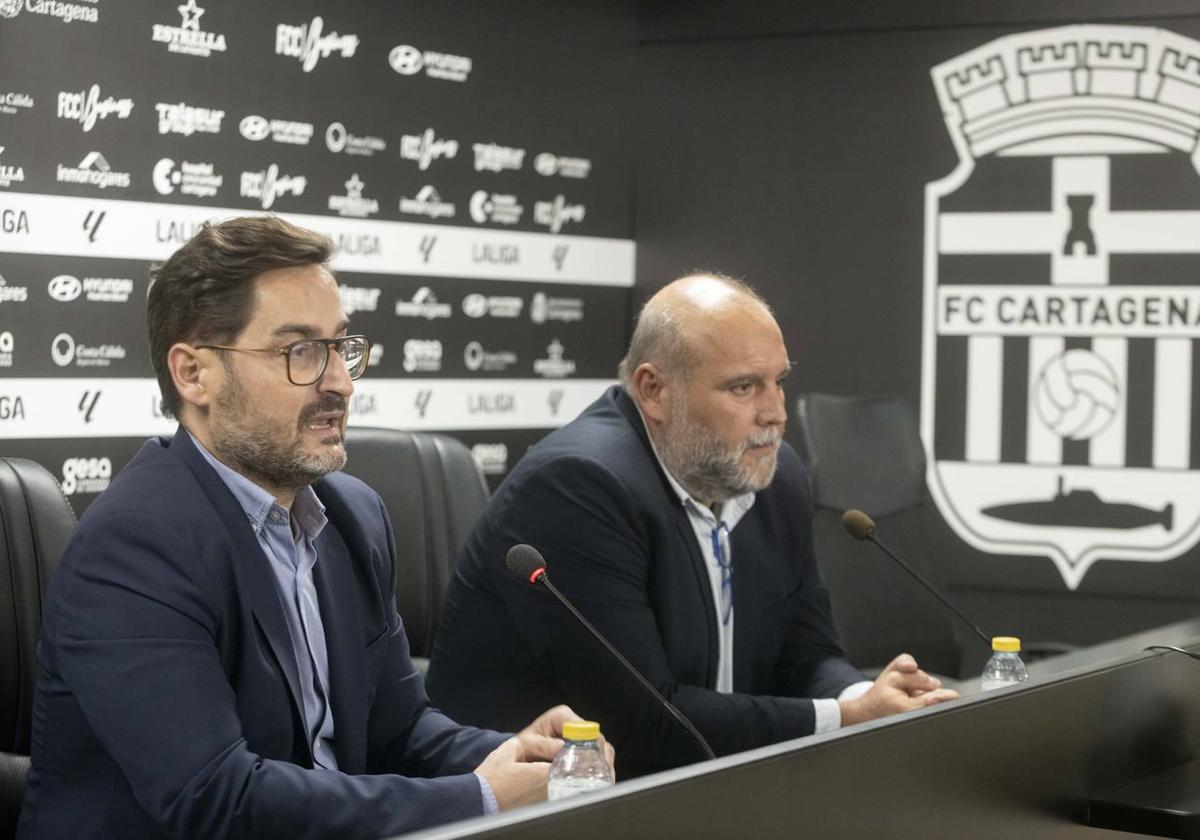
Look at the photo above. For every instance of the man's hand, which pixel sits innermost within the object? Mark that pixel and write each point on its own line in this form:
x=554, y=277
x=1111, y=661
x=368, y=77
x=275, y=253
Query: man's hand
x=516, y=778
x=542, y=739
x=901, y=687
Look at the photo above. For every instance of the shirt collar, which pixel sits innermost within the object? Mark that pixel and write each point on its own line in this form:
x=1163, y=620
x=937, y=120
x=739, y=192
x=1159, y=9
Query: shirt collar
x=307, y=510
x=730, y=512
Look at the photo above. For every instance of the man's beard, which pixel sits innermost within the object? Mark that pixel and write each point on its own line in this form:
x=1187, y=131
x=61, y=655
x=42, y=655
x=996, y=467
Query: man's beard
x=254, y=445
x=710, y=469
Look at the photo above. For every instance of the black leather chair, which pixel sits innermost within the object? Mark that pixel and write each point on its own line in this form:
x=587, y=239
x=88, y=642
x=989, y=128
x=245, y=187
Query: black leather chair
x=35, y=524
x=866, y=453
x=434, y=492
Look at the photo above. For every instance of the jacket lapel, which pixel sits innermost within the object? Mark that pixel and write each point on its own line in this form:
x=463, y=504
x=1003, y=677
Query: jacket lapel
x=678, y=515
x=253, y=571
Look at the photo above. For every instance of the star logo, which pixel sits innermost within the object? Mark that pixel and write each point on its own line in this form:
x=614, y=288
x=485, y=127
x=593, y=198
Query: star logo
x=191, y=15
x=354, y=187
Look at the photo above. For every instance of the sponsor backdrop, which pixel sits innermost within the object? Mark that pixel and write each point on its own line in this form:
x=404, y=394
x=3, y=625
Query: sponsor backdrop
x=993, y=210
x=471, y=161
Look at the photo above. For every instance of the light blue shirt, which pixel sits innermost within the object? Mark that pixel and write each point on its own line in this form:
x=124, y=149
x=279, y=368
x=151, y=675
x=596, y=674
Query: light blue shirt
x=287, y=540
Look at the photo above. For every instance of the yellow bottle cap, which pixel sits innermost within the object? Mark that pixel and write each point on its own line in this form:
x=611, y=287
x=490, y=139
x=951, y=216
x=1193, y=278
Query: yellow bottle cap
x=1006, y=644
x=581, y=730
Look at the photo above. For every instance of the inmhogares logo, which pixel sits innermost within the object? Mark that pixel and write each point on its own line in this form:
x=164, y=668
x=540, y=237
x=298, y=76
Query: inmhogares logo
x=84, y=11
x=554, y=214
x=422, y=356
x=353, y=203
x=497, y=208
x=340, y=141
x=494, y=306
x=492, y=158
x=568, y=167
x=188, y=38
x=407, y=60
x=427, y=202
x=14, y=102
x=65, y=351
x=12, y=294
x=545, y=308
x=255, y=128
x=181, y=118
x=476, y=358
x=7, y=344
x=359, y=299
x=309, y=43
x=66, y=288
x=1059, y=397
x=424, y=304
x=87, y=107
x=190, y=178
x=86, y=475
x=267, y=185
x=426, y=147
x=93, y=171
x=10, y=173
x=492, y=458
x=554, y=366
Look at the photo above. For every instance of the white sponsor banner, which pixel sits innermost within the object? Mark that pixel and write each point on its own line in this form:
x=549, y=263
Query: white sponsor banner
x=52, y=408
x=467, y=404
x=150, y=231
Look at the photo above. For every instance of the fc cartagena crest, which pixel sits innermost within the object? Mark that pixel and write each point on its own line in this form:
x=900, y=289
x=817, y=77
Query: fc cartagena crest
x=1061, y=339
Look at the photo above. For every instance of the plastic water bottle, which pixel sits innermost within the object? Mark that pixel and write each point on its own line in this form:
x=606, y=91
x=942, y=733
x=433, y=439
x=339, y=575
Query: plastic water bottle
x=580, y=765
x=1005, y=667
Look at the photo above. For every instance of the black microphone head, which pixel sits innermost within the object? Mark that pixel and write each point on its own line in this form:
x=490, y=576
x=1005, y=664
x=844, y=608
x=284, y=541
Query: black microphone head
x=526, y=562
x=858, y=524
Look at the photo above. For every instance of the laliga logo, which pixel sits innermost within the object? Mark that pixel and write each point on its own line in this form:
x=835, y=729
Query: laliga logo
x=1058, y=405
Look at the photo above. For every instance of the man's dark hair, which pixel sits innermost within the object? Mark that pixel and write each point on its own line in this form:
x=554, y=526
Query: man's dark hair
x=205, y=292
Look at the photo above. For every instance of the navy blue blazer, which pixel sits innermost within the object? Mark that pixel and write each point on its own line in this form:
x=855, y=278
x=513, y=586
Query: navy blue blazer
x=167, y=703
x=592, y=498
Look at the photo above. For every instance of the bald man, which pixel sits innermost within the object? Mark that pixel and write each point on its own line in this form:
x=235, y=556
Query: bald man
x=679, y=522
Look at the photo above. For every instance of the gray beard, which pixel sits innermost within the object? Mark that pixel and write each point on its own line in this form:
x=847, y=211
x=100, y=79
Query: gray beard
x=707, y=467
x=249, y=444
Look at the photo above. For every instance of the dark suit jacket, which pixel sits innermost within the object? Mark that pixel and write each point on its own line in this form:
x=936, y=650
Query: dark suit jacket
x=592, y=498
x=167, y=702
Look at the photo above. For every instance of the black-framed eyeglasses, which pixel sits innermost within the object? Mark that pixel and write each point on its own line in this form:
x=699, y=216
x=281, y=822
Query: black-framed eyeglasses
x=308, y=357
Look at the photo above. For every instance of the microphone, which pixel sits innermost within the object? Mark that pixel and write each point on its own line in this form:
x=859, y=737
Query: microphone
x=527, y=563
x=862, y=527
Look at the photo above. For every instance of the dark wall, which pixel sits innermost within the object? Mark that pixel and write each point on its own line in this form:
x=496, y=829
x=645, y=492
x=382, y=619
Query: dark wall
x=397, y=128
x=791, y=146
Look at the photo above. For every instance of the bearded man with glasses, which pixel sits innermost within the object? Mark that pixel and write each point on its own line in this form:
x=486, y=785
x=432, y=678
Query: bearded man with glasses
x=221, y=655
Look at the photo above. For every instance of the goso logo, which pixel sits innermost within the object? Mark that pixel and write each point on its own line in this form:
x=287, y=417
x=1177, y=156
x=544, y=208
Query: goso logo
x=492, y=458
x=86, y=475
x=422, y=356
